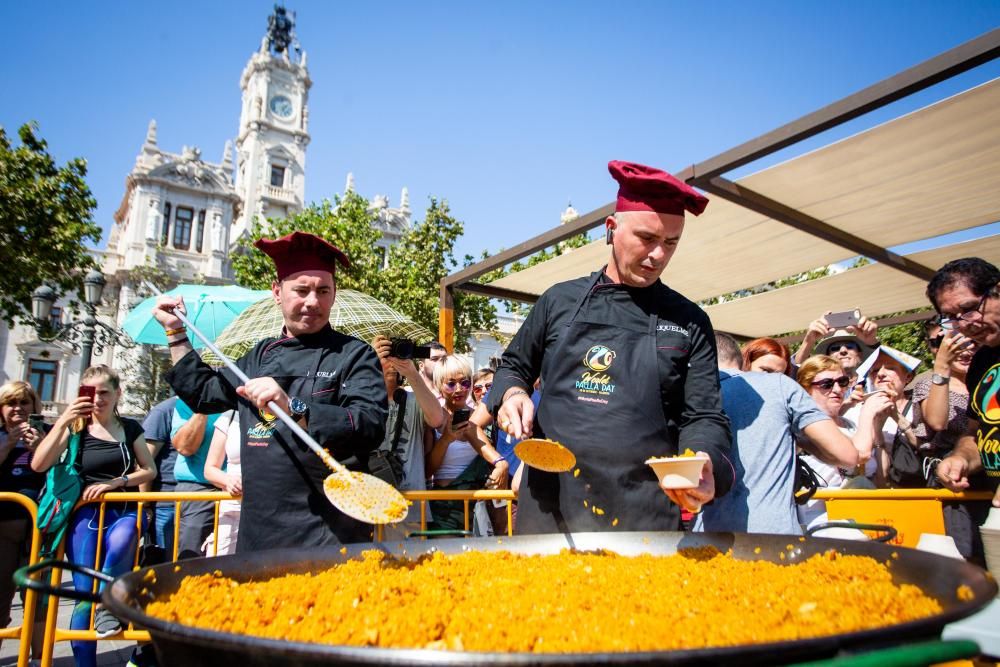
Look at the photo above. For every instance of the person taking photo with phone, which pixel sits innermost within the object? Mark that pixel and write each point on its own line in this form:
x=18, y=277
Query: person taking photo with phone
x=113, y=456
x=461, y=457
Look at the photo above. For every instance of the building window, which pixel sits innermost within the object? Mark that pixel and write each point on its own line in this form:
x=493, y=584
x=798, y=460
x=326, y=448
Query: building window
x=55, y=317
x=199, y=237
x=165, y=236
x=182, y=227
x=42, y=377
x=277, y=176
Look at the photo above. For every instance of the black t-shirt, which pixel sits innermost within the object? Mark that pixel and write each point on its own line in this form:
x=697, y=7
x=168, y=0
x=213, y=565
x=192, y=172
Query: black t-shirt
x=983, y=382
x=105, y=460
x=16, y=475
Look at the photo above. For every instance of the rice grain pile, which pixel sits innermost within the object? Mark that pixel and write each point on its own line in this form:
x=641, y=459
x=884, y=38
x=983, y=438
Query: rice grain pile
x=571, y=602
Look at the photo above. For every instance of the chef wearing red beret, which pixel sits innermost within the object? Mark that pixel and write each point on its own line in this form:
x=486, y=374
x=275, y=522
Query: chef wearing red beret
x=628, y=370
x=329, y=382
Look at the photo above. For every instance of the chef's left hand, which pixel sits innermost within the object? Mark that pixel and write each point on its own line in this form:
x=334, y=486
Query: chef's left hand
x=693, y=499
x=261, y=391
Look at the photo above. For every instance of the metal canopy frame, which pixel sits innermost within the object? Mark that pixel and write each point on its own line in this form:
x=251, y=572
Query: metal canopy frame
x=708, y=175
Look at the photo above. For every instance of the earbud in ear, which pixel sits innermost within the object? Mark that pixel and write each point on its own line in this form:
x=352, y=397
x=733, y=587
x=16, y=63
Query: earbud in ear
x=611, y=235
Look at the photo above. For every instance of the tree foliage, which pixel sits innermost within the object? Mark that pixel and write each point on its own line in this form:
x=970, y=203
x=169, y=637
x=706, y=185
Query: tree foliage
x=417, y=263
x=45, y=219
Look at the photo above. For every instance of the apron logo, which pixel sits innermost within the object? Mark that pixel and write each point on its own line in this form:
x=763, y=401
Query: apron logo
x=260, y=431
x=595, y=381
x=599, y=358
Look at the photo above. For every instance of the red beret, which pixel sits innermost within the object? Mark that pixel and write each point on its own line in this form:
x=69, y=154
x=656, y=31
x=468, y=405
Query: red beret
x=642, y=188
x=302, y=252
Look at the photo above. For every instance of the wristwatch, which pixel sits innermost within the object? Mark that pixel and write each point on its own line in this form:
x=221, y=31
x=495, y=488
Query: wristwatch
x=297, y=407
x=939, y=379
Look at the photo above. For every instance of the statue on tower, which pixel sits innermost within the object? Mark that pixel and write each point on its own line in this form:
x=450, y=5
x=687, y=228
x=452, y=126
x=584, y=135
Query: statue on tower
x=280, y=29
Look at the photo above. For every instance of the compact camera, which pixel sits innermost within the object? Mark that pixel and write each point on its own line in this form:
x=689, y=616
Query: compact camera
x=404, y=348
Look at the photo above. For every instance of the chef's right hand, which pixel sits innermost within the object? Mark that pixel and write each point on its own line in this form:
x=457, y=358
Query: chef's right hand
x=164, y=309
x=517, y=415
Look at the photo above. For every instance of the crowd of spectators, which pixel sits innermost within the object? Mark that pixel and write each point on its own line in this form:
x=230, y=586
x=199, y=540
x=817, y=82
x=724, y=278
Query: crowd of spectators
x=843, y=411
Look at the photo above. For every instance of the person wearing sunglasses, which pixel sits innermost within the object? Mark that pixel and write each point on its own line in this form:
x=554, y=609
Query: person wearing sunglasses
x=826, y=382
x=849, y=346
x=461, y=457
x=966, y=294
x=482, y=382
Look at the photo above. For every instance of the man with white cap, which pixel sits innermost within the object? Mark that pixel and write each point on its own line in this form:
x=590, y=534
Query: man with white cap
x=628, y=370
x=330, y=383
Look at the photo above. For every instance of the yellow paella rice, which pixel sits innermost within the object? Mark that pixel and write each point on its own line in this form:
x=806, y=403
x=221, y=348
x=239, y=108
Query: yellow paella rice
x=570, y=602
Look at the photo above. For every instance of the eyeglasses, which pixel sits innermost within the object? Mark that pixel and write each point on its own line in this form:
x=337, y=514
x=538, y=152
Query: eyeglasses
x=481, y=387
x=451, y=385
x=848, y=345
x=827, y=384
x=951, y=321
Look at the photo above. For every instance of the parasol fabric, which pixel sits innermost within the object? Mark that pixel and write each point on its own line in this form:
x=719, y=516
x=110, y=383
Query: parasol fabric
x=211, y=308
x=353, y=313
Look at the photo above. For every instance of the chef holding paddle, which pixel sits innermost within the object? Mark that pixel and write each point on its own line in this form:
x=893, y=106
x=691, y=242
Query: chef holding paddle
x=311, y=400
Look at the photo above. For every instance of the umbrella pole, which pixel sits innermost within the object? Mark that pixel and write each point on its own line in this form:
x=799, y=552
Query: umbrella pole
x=272, y=406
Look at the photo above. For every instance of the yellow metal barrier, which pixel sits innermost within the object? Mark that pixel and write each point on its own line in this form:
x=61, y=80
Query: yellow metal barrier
x=23, y=633
x=911, y=512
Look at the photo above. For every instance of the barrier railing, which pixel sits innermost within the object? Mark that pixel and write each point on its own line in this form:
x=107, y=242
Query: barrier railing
x=23, y=633
x=912, y=512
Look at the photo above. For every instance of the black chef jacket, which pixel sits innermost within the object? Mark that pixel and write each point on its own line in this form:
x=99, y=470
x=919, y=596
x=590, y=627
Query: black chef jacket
x=340, y=380
x=687, y=373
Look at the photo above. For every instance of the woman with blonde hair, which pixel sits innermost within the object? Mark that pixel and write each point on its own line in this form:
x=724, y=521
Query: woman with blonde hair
x=825, y=381
x=18, y=439
x=112, y=457
x=461, y=456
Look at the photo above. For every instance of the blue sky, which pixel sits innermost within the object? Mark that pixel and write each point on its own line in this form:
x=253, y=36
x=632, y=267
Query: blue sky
x=507, y=110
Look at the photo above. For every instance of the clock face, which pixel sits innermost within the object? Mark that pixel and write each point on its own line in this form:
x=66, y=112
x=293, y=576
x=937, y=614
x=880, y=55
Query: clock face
x=281, y=106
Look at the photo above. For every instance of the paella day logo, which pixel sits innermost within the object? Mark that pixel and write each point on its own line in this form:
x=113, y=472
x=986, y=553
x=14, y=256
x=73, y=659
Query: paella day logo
x=985, y=401
x=260, y=431
x=595, y=380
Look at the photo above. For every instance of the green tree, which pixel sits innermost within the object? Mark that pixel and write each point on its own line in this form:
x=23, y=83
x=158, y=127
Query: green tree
x=345, y=222
x=45, y=218
x=417, y=263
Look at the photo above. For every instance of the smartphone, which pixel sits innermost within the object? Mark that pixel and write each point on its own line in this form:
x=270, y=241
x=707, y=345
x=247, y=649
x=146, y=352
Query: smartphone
x=461, y=416
x=91, y=392
x=843, y=319
x=37, y=422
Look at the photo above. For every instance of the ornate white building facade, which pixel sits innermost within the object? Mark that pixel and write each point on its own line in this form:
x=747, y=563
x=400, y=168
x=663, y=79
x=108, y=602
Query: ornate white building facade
x=184, y=215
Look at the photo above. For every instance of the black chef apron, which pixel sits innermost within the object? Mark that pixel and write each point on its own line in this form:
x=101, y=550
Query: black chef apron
x=601, y=399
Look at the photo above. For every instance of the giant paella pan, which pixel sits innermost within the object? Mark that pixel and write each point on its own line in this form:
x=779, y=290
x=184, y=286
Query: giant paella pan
x=958, y=588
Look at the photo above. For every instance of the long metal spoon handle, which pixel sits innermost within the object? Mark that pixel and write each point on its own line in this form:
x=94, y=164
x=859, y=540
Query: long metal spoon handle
x=331, y=462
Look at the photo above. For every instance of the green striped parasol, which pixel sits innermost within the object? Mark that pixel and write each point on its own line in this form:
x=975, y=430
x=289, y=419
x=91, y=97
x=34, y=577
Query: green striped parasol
x=353, y=313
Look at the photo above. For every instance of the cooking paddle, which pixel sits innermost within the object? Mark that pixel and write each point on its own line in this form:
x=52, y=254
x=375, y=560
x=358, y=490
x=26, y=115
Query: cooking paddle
x=363, y=497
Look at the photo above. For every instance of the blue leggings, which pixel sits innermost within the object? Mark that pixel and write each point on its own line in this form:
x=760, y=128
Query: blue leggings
x=118, y=548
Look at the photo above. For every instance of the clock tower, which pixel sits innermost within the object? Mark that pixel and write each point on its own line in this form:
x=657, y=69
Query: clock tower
x=274, y=127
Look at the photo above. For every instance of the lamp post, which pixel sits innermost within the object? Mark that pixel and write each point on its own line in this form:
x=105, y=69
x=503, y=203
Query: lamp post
x=82, y=335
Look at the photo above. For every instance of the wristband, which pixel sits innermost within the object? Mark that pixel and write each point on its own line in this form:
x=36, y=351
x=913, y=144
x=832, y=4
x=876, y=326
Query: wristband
x=179, y=341
x=497, y=462
x=174, y=332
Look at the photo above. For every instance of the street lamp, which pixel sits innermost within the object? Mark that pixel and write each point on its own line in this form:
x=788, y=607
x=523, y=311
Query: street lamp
x=82, y=335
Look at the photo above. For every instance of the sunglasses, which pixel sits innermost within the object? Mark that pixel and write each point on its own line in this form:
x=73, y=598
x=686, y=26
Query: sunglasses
x=481, y=387
x=451, y=385
x=827, y=384
x=837, y=347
